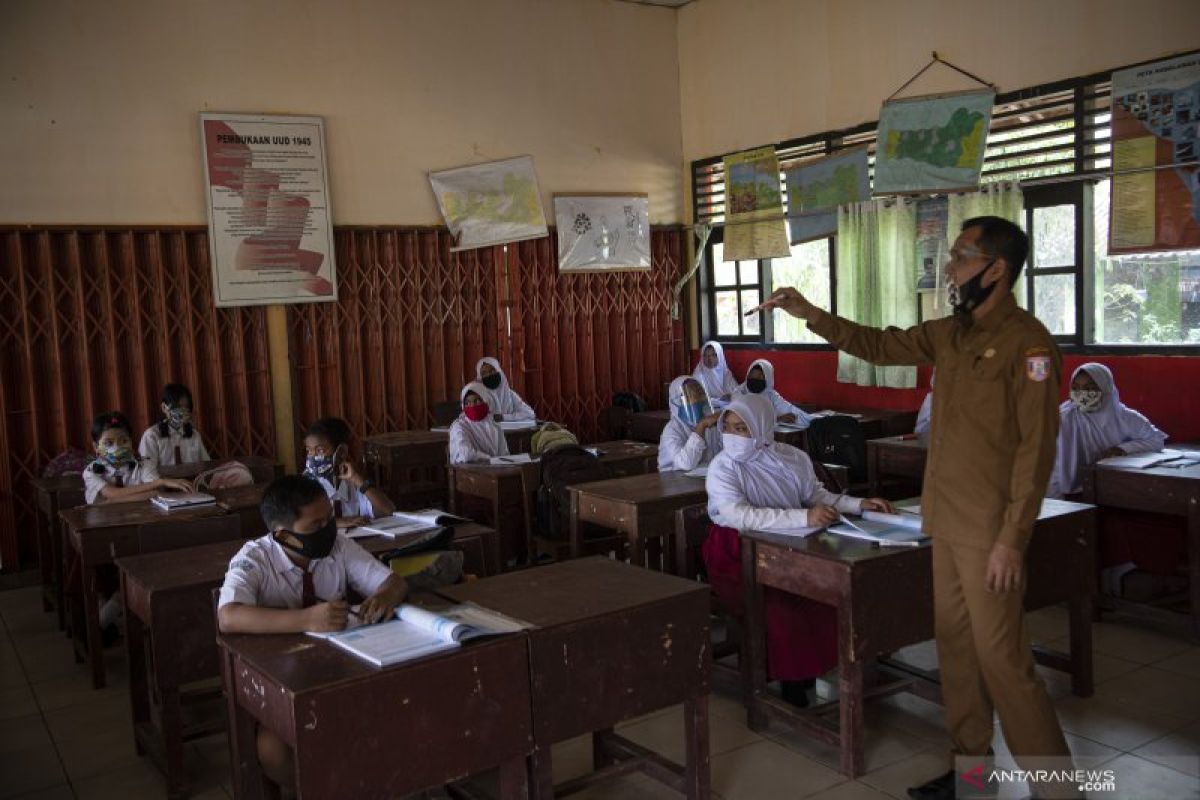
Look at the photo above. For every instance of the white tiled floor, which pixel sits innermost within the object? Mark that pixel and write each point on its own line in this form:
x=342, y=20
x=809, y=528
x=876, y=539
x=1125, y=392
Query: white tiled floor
x=61, y=739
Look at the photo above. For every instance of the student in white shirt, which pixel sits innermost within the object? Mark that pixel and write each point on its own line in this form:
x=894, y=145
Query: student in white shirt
x=760, y=379
x=117, y=475
x=474, y=434
x=173, y=440
x=925, y=413
x=506, y=404
x=714, y=374
x=327, y=460
x=691, y=438
x=295, y=579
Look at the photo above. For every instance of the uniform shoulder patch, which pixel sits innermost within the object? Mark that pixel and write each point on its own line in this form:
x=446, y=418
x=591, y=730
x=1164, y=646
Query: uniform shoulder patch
x=1037, y=368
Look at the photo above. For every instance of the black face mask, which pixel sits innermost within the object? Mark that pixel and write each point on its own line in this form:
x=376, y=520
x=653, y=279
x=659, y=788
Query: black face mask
x=492, y=381
x=317, y=544
x=756, y=385
x=973, y=293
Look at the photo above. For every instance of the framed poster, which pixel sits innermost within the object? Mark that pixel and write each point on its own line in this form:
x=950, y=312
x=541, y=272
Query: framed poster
x=493, y=203
x=754, y=226
x=270, y=227
x=602, y=232
x=933, y=143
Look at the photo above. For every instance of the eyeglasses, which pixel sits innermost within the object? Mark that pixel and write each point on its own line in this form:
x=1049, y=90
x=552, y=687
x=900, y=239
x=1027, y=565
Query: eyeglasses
x=958, y=256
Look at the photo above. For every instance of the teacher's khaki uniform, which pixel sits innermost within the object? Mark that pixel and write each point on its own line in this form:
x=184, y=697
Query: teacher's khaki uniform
x=992, y=448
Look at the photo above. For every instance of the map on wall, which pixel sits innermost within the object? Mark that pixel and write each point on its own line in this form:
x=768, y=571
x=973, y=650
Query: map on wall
x=933, y=143
x=599, y=232
x=754, y=225
x=1156, y=128
x=815, y=189
x=493, y=203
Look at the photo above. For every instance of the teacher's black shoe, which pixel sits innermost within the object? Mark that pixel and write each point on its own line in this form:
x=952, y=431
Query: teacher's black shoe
x=940, y=788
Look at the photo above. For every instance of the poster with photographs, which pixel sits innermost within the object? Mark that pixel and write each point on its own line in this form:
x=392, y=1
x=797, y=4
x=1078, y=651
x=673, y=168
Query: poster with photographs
x=602, y=232
x=933, y=246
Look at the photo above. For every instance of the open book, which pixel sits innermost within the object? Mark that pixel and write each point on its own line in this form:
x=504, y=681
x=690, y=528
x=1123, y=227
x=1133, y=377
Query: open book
x=402, y=523
x=180, y=500
x=1143, y=460
x=886, y=530
x=417, y=632
x=518, y=424
x=515, y=458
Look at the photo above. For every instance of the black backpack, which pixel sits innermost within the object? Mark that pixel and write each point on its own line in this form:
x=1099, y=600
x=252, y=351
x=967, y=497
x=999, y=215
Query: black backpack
x=838, y=439
x=562, y=467
x=628, y=400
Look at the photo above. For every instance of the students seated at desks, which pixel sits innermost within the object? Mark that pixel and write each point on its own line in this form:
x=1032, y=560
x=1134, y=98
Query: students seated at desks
x=474, y=434
x=714, y=374
x=296, y=579
x=117, y=475
x=173, y=440
x=756, y=483
x=1095, y=424
x=760, y=379
x=691, y=438
x=506, y=404
x=328, y=461
x=925, y=414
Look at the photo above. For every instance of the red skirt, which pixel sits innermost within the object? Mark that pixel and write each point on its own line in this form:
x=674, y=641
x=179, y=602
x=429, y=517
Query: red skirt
x=802, y=634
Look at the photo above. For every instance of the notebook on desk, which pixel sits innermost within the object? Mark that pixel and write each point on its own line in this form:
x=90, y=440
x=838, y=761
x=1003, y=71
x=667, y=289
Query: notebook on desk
x=402, y=523
x=886, y=530
x=182, y=500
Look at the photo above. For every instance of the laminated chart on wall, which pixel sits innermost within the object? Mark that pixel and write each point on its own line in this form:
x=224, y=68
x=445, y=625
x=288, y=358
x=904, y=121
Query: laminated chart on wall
x=489, y=204
x=601, y=232
x=270, y=228
x=815, y=189
x=754, y=226
x=933, y=143
x=1156, y=128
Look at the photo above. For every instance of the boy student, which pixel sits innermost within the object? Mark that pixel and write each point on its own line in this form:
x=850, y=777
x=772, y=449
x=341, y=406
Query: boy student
x=356, y=499
x=295, y=579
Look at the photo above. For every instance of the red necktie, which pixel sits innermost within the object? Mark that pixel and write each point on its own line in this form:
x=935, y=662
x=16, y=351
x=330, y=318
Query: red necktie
x=309, y=593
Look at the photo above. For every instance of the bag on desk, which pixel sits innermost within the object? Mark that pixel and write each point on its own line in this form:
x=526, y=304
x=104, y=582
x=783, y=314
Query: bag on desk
x=224, y=476
x=561, y=468
x=429, y=571
x=549, y=437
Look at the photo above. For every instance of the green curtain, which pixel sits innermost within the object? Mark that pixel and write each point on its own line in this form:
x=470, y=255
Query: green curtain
x=1003, y=200
x=877, y=280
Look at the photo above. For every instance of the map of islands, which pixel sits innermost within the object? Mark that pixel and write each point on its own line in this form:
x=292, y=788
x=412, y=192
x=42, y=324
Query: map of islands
x=932, y=144
x=815, y=189
x=958, y=143
x=489, y=204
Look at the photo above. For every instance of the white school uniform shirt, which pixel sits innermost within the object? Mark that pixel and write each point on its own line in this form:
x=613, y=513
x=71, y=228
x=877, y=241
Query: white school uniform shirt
x=718, y=381
x=161, y=449
x=680, y=447
x=476, y=441
x=505, y=401
x=1084, y=435
x=925, y=413
x=767, y=489
x=781, y=405
x=261, y=574
x=353, y=502
x=135, y=473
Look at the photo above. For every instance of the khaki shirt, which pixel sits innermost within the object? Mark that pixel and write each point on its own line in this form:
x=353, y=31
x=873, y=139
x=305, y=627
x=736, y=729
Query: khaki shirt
x=995, y=416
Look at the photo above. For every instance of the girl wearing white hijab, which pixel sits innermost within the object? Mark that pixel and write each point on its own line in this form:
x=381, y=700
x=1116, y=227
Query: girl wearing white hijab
x=507, y=403
x=691, y=438
x=1095, y=424
x=756, y=483
x=475, y=435
x=925, y=414
x=763, y=382
x=713, y=373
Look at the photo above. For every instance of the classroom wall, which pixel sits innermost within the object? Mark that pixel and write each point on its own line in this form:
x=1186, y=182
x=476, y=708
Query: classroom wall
x=100, y=100
x=753, y=72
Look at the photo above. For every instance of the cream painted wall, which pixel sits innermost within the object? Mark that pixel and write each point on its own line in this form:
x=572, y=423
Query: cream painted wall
x=753, y=72
x=99, y=99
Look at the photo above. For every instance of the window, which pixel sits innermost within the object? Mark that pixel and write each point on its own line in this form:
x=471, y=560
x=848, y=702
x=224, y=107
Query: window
x=809, y=269
x=736, y=287
x=1055, y=222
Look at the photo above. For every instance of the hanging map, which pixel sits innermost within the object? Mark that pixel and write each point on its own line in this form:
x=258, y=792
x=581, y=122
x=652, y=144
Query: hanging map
x=754, y=225
x=602, y=233
x=933, y=143
x=489, y=204
x=815, y=189
x=1156, y=128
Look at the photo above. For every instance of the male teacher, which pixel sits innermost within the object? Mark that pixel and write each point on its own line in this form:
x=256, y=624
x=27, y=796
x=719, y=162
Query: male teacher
x=991, y=450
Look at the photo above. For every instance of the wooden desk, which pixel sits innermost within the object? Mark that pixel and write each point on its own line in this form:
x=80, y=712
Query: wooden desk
x=168, y=601
x=264, y=470
x=647, y=426
x=1161, y=490
x=610, y=642
x=642, y=507
x=625, y=457
x=99, y=534
x=895, y=457
x=884, y=600
x=54, y=494
x=362, y=732
x=875, y=422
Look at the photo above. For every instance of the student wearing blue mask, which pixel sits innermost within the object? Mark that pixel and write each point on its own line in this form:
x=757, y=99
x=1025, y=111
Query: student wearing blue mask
x=690, y=439
x=356, y=499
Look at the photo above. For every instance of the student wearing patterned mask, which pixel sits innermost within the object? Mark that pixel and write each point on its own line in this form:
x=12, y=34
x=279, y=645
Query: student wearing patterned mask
x=118, y=475
x=475, y=435
x=506, y=404
x=173, y=440
x=356, y=499
x=760, y=379
x=691, y=438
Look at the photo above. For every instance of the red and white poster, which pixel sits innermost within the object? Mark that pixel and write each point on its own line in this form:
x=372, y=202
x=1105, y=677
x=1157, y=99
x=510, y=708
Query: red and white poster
x=270, y=227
